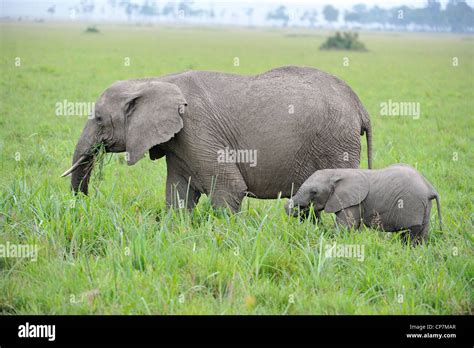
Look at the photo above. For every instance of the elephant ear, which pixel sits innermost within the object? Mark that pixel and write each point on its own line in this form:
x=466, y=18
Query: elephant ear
x=152, y=114
x=350, y=187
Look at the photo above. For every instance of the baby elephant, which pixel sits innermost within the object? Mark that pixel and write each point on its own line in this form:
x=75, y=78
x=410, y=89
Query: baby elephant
x=395, y=198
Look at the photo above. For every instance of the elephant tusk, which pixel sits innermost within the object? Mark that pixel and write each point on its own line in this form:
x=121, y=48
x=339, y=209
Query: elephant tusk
x=74, y=166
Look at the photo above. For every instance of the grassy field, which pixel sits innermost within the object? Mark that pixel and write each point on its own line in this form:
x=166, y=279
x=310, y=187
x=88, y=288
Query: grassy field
x=120, y=251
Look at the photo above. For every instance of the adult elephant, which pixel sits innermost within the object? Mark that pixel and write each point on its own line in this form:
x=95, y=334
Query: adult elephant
x=227, y=135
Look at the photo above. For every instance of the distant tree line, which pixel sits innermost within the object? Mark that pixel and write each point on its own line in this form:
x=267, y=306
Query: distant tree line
x=457, y=16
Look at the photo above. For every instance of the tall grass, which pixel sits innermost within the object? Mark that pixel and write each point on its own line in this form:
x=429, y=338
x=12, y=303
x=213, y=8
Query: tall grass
x=120, y=250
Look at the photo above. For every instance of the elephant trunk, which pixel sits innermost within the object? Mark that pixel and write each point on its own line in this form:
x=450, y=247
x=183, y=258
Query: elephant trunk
x=83, y=159
x=291, y=207
x=81, y=175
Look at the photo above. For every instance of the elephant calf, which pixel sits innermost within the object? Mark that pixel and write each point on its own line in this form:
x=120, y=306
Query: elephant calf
x=392, y=199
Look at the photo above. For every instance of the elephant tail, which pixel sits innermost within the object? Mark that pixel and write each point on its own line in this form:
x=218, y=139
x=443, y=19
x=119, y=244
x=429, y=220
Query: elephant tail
x=368, y=136
x=366, y=128
x=438, y=208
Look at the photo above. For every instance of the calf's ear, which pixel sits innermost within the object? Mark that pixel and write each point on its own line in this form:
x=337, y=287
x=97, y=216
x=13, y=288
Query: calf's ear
x=349, y=188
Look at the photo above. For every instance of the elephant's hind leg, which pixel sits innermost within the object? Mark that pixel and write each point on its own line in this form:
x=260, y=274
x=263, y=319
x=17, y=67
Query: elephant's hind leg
x=419, y=233
x=416, y=234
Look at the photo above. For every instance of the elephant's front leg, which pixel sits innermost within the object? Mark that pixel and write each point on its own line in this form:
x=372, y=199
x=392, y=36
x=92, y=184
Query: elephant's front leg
x=227, y=187
x=306, y=213
x=180, y=188
x=349, y=217
x=180, y=193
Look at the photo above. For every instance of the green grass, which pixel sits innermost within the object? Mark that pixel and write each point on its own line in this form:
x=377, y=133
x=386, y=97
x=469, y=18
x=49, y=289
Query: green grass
x=120, y=251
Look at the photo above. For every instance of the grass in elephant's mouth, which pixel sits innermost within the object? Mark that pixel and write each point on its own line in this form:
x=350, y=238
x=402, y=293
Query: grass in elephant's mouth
x=120, y=250
x=101, y=159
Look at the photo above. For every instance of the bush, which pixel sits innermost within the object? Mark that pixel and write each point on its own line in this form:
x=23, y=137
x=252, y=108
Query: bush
x=346, y=41
x=92, y=30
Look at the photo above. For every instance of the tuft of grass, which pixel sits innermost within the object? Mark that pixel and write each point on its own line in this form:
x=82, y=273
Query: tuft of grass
x=347, y=41
x=92, y=29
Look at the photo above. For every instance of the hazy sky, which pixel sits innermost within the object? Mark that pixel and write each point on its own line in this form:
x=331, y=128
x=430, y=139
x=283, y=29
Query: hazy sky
x=37, y=8
x=335, y=3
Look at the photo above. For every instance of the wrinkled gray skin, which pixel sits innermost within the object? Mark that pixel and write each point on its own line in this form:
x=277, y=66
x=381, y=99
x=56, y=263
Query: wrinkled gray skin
x=188, y=117
x=392, y=199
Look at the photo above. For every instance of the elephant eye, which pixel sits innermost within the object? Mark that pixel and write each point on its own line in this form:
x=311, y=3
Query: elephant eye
x=98, y=118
